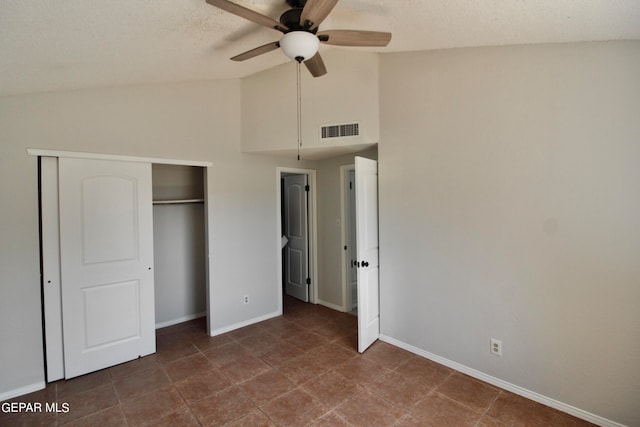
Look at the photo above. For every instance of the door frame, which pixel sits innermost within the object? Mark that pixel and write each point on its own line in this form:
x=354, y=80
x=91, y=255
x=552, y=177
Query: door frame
x=344, y=229
x=208, y=175
x=312, y=232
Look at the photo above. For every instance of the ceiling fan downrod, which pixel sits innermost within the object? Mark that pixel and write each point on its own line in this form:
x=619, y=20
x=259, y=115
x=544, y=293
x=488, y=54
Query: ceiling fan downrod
x=299, y=109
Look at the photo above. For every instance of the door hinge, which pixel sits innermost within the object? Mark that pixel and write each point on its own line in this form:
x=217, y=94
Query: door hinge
x=350, y=185
x=306, y=187
x=308, y=280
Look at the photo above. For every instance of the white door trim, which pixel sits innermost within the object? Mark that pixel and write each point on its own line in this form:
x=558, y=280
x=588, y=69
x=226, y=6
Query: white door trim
x=101, y=156
x=313, y=232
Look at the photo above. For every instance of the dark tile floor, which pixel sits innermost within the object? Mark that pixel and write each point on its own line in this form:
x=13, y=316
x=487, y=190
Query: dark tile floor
x=300, y=369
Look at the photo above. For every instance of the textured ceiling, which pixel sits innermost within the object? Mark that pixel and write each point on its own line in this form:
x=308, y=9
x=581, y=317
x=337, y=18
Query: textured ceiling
x=50, y=45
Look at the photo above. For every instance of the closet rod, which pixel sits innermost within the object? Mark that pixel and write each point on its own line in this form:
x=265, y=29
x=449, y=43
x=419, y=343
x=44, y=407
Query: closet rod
x=177, y=202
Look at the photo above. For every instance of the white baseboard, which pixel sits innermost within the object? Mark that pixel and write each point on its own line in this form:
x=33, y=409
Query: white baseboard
x=244, y=323
x=22, y=391
x=180, y=320
x=331, y=305
x=532, y=395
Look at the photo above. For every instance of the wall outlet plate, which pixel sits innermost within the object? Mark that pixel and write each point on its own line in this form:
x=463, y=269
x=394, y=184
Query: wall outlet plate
x=496, y=347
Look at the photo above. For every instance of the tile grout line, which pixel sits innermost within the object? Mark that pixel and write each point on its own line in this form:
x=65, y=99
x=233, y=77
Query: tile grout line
x=489, y=407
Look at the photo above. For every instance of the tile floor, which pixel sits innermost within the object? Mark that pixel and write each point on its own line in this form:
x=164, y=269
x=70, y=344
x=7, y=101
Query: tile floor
x=300, y=369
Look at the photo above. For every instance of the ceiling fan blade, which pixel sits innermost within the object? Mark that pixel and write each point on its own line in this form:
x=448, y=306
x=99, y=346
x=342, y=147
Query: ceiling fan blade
x=249, y=14
x=257, y=51
x=315, y=11
x=354, y=38
x=315, y=65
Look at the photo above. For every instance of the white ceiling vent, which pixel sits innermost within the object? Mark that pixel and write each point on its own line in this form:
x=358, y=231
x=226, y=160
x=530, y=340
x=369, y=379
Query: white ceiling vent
x=346, y=130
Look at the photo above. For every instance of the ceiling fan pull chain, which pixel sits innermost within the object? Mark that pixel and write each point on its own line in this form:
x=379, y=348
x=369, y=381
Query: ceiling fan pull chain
x=299, y=110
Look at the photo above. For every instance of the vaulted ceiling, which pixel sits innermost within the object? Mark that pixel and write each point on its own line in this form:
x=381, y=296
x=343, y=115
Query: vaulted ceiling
x=62, y=45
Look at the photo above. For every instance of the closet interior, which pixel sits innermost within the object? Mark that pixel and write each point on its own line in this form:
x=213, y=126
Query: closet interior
x=179, y=243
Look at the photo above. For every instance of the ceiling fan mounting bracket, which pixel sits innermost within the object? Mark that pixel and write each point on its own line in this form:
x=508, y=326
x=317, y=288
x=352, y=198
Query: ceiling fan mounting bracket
x=296, y=3
x=291, y=20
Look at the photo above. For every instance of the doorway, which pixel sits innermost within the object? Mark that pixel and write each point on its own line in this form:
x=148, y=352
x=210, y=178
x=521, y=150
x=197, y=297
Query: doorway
x=297, y=254
x=350, y=252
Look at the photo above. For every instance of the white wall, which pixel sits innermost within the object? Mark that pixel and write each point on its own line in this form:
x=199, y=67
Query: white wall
x=179, y=263
x=347, y=93
x=509, y=208
x=198, y=121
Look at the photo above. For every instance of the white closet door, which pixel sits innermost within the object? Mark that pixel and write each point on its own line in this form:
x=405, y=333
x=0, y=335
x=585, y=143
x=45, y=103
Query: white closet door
x=49, y=215
x=106, y=252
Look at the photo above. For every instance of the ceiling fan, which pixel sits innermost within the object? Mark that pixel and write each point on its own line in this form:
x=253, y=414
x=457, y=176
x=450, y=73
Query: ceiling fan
x=301, y=38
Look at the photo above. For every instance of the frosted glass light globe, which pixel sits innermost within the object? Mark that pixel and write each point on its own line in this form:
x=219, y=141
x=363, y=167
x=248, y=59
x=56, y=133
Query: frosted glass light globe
x=299, y=45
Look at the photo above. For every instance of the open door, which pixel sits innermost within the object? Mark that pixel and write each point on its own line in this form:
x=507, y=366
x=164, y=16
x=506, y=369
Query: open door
x=106, y=256
x=367, y=250
x=296, y=228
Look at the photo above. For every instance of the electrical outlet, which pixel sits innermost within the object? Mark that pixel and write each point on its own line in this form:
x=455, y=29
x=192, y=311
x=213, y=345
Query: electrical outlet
x=496, y=347
x=246, y=299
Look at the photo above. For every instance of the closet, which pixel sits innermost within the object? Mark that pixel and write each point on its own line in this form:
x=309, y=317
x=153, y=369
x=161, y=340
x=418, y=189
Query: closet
x=178, y=243
x=123, y=253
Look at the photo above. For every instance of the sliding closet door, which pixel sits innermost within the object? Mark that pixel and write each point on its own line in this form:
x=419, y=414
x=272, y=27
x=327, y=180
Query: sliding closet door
x=106, y=252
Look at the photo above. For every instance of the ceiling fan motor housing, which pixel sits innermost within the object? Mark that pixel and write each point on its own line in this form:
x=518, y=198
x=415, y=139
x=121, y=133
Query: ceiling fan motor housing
x=291, y=20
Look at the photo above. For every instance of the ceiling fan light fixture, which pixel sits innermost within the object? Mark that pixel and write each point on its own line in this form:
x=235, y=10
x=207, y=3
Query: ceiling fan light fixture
x=299, y=45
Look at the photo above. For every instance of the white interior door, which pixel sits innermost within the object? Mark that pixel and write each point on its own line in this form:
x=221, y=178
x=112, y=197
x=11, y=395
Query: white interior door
x=367, y=249
x=296, y=230
x=106, y=254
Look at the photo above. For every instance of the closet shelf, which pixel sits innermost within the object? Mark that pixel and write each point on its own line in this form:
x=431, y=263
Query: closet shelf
x=177, y=201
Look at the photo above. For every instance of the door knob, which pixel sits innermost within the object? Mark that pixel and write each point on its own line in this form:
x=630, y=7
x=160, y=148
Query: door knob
x=365, y=264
